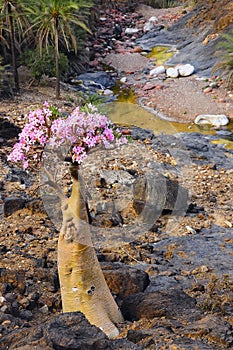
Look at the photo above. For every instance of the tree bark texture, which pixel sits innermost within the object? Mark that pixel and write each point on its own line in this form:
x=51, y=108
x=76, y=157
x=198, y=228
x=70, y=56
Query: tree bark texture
x=83, y=287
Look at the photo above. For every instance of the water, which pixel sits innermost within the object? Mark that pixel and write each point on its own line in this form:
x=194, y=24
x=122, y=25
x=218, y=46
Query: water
x=126, y=112
x=161, y=54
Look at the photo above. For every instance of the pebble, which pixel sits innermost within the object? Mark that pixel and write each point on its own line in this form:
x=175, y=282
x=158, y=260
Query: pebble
x=123, y=79
x=108, y=92
x=131, y=30
x=137, y=49
x=2, y=300
x=157, y=70
x=172, y=72
x=207, y=90
x=148, y=86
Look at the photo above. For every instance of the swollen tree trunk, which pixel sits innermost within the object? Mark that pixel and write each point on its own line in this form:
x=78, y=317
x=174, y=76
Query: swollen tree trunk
x=83, y=287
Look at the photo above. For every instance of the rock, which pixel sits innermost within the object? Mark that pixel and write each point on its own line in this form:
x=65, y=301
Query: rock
x=116, y=176
x=67, y=331
x=94, y=63
x=137, y=49
x=131, y=31
x=123, y=80
x=212, y=328
x=207, y=90
x=213, y=119
x=155, y=193
x=150, y=24
x=8, y=130
x=167, y=303
x=172, y=72
x=158, y=70
x=108, y=92
x=141, y=134
x=12, y=204
x=148, y=86
x=95, y=80
x=186, y=70
x=124, y=280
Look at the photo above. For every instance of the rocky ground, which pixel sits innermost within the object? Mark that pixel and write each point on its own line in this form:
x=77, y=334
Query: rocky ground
x=173, y=281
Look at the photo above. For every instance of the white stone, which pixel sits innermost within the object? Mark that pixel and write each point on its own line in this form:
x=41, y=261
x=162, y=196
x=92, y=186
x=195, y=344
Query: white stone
x=153, y=19
x=172, y=72
x=158, y=70
x=148, y=26
x=186, y=70
x=131, y=30
x=108, y=92
x=2, y=300
x=123, y=80
x=213, y=119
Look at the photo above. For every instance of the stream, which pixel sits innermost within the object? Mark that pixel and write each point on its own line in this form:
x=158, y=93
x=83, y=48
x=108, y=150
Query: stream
x=123, y=105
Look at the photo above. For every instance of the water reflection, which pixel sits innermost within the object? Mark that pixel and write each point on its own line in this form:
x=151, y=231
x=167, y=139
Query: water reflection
x=131, y=114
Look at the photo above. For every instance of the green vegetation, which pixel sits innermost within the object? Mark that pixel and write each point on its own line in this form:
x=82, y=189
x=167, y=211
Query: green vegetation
x=225, y=65
x=41, y=62
x=162, y=3
x=12, y=26
x=39, y=25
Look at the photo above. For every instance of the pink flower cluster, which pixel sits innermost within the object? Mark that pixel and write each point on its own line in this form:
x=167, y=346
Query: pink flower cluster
x=81, y=130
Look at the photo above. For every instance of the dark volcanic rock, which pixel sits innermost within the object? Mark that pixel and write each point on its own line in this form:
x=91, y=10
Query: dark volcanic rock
x=170, y=303
x=155, y=193
x=124, y=280
x=12, y=204
x=70, y=331
x=214, y=328
x=95, y=80
x=8, y=130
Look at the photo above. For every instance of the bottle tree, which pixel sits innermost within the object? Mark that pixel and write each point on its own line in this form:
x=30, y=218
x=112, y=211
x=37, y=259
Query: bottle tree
x=82, y=283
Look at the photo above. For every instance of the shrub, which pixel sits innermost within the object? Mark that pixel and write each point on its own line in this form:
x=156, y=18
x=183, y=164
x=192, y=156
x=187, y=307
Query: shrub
x=162, y=3
x=225, y=65
x=43, y=63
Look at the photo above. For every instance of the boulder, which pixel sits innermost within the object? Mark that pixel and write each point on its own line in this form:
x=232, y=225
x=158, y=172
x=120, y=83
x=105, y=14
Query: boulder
x=185, y=70
x=172, y=72
x=167, y=303
x=70, y=331
x=158, y=70
x=8, y=130
x=124, y=280
x=95, y=80
x=12, y=204
x=155, y=193
x=212, y=119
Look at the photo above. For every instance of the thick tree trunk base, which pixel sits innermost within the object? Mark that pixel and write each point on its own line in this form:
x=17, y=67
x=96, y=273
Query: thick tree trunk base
x=83, y=287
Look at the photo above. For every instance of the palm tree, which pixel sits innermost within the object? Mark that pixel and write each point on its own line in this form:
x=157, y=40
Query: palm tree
x=8, y=13
x=13, y=23
x=54, y=22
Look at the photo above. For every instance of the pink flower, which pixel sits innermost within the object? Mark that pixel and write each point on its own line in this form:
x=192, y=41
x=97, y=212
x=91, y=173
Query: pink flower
x=81, y=130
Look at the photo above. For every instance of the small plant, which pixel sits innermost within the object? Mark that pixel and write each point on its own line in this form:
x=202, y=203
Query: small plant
x=41, y=62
